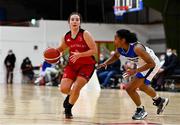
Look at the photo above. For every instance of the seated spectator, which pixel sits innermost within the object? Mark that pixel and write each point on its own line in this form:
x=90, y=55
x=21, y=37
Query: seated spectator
x=27, y=69
x=40, y=80
x=166, y=69
x=101, y=60
x=50, y=74
x=107, y=74
x=162, y=59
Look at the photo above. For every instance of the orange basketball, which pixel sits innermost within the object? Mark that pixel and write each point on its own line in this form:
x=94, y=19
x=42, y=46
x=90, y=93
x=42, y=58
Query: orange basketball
x=52, y=55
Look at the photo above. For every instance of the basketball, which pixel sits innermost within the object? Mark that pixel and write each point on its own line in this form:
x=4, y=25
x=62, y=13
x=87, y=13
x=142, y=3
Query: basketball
x=52, y=55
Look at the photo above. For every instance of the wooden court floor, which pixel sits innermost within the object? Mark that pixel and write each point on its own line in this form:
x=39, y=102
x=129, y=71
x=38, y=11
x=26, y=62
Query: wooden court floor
x=29, y=104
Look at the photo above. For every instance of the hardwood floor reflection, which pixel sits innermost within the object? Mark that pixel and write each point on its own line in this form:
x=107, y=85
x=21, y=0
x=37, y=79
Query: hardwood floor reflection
x=29, y=104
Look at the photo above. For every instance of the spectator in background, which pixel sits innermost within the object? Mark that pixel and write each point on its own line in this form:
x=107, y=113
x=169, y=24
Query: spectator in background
x=108, y=73
x=9, y=63
x=174, y=51
x=40, y=80
x=162, y=59
x=101, y=60
x=52, y=73
x=27, y=69
x=166, y=69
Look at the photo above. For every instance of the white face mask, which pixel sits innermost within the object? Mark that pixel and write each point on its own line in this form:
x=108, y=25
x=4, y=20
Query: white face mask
x=101, y=57
x=10, y=53
x=162, y=57
x=168, y=53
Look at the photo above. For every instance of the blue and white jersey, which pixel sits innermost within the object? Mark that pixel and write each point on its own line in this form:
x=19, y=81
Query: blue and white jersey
x=131, y=56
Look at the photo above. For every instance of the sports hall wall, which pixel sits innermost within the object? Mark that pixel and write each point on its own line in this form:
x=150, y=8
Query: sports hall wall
x=22, y=40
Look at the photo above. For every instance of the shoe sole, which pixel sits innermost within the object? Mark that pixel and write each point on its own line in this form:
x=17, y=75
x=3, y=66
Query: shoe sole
x=68, y=117
x=164, y=106
x=142, y=118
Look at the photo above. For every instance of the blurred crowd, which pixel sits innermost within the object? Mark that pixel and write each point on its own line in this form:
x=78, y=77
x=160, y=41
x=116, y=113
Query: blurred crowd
x=45, y=74
x=110, y=77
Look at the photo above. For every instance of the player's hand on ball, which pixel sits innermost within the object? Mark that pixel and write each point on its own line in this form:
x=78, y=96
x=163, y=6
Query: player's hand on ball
x=129, y=73
x=75, y=56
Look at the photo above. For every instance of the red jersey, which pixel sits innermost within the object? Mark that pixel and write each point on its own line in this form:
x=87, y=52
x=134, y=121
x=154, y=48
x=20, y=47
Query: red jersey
x=78, y=45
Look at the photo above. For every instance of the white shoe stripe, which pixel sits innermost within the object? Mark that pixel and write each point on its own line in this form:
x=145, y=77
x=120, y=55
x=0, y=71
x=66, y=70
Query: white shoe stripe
x=144, y=116
x=164, y=105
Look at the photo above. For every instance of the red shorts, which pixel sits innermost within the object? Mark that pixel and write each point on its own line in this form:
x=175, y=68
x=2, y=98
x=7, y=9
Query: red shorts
x=83, y=70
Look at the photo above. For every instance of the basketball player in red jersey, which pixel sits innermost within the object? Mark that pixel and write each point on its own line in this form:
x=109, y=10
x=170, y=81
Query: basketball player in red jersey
x=81, y=63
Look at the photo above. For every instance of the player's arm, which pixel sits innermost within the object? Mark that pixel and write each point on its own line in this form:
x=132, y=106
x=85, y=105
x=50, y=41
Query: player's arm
x=111, y=60
x=141, y=52
x=91, y=44
x=62, y=45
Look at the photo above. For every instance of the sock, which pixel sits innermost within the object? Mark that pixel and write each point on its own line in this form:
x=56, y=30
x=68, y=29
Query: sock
x=69, y=105
x=66, y=101
x=140, y=106
x=157, y=101
x=156, y=97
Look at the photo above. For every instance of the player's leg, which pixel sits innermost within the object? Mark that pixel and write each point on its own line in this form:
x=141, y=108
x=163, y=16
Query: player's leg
x=77, y=86
x=68, y=78
x=84, y=74
x=73, y=96
x=160, y=102
x=131, y=90
x=65, y=87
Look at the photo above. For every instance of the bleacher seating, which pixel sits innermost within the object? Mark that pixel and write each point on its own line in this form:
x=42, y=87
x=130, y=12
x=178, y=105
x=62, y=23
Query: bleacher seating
x=171, y=81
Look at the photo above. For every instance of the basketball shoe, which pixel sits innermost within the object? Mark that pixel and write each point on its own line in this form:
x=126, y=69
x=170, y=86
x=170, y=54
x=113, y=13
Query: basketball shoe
x=67, y=106
x=161, y=103
x=140, y=114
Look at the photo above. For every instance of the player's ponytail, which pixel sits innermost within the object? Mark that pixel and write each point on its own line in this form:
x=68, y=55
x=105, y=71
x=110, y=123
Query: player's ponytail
x=132, y=38
x=127, y=35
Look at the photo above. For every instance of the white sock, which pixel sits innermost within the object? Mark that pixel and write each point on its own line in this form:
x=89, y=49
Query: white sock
x=140, y=106
x=156, y=97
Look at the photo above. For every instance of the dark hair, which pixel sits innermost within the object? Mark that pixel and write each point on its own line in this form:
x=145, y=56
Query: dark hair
x=75, y=13
x=126, y=34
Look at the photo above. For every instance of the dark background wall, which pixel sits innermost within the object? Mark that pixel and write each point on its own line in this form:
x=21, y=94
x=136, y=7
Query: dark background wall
x=170, y=10
x=100, y=11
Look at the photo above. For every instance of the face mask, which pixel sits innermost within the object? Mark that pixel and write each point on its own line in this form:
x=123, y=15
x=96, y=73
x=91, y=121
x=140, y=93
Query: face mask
x=162, y=58
x=168, y=53
x=101, y=58
x=10, y=53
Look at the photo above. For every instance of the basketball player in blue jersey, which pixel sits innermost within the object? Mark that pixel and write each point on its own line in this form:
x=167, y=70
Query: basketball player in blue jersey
x=147, y=66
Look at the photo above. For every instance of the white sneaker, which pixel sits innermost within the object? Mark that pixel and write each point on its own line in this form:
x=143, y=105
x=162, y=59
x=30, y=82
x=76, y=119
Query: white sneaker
x=49, y=84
